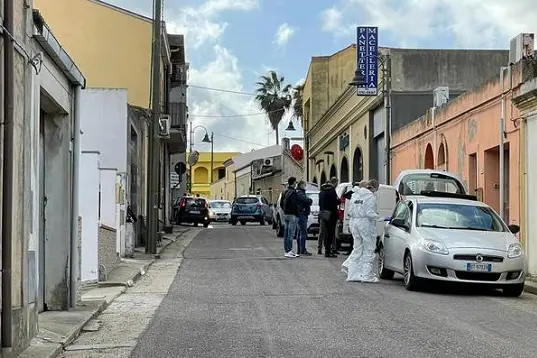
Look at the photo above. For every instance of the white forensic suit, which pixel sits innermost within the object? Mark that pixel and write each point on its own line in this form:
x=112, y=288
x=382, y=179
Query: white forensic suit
x=362, y=225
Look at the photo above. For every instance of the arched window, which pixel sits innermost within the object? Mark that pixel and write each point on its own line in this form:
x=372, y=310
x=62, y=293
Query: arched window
x=429, y=157
x=323, y=178
x=315, y=180
x=333, y=171
x=357, y=165
x=201, y=175
x=344, y=174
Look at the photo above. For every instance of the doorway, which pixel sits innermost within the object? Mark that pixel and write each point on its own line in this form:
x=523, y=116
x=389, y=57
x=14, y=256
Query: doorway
x=472, y=166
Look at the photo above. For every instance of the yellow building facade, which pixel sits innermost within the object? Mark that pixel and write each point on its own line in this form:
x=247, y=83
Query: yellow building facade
x=224, y=188
x=112, y=46
x=335, y=120
x=201, y=174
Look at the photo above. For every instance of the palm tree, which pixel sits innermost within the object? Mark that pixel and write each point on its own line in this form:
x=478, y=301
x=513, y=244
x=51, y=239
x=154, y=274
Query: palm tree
x=274, y=98
x=297, y=102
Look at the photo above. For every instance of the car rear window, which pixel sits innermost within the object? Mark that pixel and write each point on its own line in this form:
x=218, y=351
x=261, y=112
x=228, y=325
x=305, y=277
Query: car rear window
x=414, y=184
x=247, y=201
x=197, y=203
x=220, y=205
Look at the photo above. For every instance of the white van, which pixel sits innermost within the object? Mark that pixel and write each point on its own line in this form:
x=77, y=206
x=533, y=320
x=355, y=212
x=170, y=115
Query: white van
x=387, y=198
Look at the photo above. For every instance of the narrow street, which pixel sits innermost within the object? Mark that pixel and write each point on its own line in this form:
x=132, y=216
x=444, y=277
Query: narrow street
x=236, y=296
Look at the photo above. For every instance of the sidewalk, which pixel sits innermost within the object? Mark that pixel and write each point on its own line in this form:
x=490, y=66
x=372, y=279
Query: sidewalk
x=530, y=287
x=57, y=329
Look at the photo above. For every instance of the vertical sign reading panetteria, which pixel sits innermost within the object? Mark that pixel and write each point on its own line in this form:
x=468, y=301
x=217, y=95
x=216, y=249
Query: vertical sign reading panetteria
x=367, y=47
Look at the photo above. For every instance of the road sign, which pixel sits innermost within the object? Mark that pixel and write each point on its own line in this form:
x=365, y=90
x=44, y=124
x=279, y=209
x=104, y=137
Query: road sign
x=367, y=56
x=193, y=158
x=180, y=168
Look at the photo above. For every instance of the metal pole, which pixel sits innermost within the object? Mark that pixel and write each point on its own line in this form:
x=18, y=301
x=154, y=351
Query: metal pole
x=502, y=131
x=188, y=159
x=388, y=108
x=152, y=203
x=75, y=196
x=212, y=157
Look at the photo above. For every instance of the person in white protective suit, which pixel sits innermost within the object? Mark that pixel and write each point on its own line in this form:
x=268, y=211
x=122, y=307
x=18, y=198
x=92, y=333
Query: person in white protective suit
x=363, y=218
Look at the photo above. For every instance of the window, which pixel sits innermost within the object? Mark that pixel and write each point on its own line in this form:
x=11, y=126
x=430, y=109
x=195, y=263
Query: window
x=247, y=200
x=221, y=173
x=195, y=203
x=459, y=216
x=220, y=205
x=414, y=184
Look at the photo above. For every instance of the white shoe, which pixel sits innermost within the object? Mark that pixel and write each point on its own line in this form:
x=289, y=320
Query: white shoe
x=290, y=254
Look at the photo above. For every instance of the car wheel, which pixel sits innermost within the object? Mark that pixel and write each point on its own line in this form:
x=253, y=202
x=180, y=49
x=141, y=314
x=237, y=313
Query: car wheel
x=243, y=222
x=279, y=229
x=411, y=281
x=233, y=222
x=513, y=290
x=262, y=221
x=384, y=273
x=195, y=224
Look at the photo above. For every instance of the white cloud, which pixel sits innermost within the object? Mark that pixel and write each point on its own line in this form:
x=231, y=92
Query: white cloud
x=214, y=109
x=284, y=34
x=472, y=23
x=201, y=24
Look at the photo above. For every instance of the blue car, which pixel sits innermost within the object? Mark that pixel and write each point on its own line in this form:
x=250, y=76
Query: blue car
x=250, y=208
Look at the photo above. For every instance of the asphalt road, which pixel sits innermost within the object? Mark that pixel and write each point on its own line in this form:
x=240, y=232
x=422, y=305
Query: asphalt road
x=237, y=296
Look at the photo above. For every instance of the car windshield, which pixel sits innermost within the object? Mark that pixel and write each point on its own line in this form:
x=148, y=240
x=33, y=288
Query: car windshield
x=247, y=201
x=197, y=203
x=314, y=197
x=414, y=184
x=220, y=205
x=458, y=217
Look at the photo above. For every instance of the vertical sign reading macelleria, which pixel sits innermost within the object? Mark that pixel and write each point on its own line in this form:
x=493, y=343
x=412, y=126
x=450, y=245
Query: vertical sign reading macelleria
x=367, y=47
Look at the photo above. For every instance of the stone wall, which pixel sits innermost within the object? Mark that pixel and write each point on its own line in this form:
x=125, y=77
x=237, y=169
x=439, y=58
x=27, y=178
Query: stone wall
x=108, y=257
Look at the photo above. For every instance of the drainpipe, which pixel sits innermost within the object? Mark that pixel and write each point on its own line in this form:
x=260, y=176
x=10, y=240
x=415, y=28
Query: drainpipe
x=7, y=189
x=75, y=259
x=502, y=137
x=433, y=115
x=388, y=109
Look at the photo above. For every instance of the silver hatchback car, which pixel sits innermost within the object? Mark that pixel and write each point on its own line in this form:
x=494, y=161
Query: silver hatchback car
x=448, y=237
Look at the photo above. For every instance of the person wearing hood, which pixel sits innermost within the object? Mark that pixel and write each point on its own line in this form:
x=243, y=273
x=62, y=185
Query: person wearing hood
x=363, y=226
x=328, y=205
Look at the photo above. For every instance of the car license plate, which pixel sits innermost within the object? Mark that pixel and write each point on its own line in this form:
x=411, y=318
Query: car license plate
x=479, y=267
x=195, y=212
x=244, y=217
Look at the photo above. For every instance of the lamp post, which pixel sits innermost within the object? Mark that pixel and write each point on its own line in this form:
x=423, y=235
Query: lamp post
x=206, y=139
x=359, y=79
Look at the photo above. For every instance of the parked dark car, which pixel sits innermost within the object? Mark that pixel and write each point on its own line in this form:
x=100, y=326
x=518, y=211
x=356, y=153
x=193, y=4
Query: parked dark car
x=189, y=209
x=250, y=208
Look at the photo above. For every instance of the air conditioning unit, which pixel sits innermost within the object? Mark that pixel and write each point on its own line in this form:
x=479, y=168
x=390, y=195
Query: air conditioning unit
x=267, y=162
x=164, y=125
x=521, y=47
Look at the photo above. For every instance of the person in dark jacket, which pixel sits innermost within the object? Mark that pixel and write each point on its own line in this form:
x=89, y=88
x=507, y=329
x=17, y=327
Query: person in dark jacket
x=289, y=206
x=328, y=206
x=304, y=210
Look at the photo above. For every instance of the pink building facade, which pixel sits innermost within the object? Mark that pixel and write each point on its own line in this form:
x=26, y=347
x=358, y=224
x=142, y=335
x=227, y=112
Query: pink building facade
x=463, y=137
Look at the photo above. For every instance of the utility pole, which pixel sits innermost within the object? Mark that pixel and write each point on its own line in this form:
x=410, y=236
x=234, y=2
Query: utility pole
x=212, y=157
x=153, y=162
x=189, y=155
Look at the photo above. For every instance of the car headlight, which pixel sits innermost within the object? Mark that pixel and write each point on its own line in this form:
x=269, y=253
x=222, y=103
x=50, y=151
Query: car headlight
x=211, y=213
x=514, y=251
x=433, y=246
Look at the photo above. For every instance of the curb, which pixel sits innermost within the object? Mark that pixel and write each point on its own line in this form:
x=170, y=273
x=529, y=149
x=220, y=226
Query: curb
x=530, y=287
x=57, y=348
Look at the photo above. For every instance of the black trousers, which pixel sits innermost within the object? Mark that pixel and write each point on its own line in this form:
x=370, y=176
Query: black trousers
x=327, y=233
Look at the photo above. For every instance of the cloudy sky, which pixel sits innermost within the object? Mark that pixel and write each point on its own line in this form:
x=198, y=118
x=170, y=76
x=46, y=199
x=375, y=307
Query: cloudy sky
x=230, y=43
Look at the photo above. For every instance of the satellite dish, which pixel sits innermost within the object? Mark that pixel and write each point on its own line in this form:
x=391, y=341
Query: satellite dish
x=193, y=158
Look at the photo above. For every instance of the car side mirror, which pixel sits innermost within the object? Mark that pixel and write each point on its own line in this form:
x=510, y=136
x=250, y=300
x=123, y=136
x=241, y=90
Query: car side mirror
x=515, y=229
x=400, y=223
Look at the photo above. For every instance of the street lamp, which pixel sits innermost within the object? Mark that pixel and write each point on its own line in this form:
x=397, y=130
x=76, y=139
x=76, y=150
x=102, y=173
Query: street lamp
x=360, y=79
x=205, y=139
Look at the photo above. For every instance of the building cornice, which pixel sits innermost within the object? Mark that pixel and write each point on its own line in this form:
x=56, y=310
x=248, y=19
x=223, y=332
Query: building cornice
x=122, y=10
x=526, y=101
